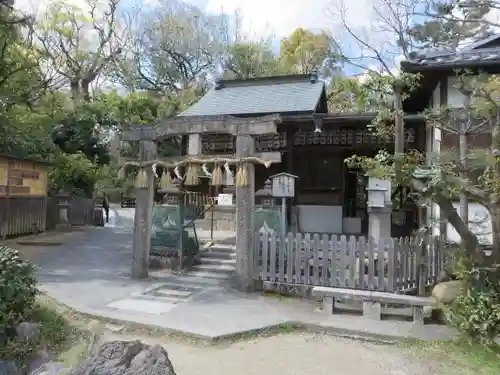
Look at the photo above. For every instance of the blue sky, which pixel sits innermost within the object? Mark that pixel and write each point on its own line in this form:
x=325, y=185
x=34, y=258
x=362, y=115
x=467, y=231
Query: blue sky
x=263, y=18
x=278, y=17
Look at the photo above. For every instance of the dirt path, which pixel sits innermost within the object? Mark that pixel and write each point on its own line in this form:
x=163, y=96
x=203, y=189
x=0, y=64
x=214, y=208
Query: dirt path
x=290, y=354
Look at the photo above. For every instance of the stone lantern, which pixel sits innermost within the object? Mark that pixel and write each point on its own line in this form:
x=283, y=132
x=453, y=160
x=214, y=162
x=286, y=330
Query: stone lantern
x=379, y=208
x=63, y=203
x=264, y=197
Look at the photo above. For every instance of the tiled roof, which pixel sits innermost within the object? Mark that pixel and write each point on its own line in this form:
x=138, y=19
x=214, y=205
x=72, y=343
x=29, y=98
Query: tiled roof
x=282, y=94
x=459, y=58
x=479, y=53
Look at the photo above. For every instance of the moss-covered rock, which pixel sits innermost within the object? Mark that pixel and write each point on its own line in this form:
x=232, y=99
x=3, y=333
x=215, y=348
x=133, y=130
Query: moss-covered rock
x=446, y=292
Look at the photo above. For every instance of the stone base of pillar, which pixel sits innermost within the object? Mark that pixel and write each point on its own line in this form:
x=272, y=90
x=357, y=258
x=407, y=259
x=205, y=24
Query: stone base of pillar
x=379, y=223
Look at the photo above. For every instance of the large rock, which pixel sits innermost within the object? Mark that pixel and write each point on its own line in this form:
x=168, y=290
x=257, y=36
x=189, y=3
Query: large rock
x=27, y=331
x=446, y=292
x=126, y=358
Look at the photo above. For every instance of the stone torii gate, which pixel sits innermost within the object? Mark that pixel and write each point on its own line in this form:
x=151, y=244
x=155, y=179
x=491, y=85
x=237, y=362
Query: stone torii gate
x=244, y=129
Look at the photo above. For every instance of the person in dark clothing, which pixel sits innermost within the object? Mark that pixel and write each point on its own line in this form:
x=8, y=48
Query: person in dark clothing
x=105, y=205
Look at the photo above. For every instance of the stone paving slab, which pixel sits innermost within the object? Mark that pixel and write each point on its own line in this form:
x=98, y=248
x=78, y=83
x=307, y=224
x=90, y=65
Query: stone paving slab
x=198, y=321
x=211, y=317
x=91, y=274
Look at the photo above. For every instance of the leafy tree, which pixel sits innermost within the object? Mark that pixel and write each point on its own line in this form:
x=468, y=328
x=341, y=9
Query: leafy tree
x=79, y=42
x=304, y=51
x=20, y=75
x=171, y=47
x=250, y=60
x=407, y=169
x=25, y=132
x=475, y=173
x=73, y=173
x=349, y=94
x=79, y=131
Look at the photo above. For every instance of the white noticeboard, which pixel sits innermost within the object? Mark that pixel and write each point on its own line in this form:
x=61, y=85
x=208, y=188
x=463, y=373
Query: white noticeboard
x=283, y=186
x=225, y=199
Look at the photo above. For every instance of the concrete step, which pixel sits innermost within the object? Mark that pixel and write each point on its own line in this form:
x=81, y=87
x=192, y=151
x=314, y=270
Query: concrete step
x=222, y=248
x=221, y=261
x=217, y=254
x=216, y=268
x=216, y=271
x=208, y=275
x=193, y=281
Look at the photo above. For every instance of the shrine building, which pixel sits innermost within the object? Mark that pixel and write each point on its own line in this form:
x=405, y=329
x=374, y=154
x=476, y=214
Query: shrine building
x=311, y=144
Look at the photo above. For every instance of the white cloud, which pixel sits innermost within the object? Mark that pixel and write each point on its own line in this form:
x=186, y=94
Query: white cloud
x=494, y=17
x=281, y=17
x=264, y=17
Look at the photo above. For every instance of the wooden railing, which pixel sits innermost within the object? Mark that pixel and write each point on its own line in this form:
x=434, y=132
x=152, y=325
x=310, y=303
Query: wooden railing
x=394, y=265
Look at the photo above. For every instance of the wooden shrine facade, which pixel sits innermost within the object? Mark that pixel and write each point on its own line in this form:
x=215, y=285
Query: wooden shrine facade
x=330, y=197
x=342, y=136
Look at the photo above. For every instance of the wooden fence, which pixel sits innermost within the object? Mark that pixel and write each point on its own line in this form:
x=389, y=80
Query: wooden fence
x=27, y=215
x=21, y=215
x=393, y=265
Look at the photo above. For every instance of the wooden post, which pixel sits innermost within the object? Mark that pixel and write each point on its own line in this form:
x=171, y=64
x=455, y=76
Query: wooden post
x=245, y=202
x=143, y=216
x=289, y=169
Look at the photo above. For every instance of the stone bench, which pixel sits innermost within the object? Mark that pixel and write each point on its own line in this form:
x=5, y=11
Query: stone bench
x=372, y=301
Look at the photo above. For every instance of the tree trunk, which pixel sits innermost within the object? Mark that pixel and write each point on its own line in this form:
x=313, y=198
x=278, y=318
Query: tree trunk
x=469, y=239
x=86, y=90
x=75, y=89
x=495, y=232
x=464, y=200
x=399, y=127
x=495, y=196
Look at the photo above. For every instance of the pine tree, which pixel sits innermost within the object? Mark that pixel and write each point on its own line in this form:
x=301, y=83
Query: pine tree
x=450, y=23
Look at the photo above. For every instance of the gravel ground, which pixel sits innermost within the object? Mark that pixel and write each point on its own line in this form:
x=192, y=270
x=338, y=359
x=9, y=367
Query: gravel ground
x=291, y=354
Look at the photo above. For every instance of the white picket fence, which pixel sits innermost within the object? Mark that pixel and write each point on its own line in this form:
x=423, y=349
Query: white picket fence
x=394, y=265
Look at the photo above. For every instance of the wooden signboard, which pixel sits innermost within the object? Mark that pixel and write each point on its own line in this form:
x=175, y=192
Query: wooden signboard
x=341, y=136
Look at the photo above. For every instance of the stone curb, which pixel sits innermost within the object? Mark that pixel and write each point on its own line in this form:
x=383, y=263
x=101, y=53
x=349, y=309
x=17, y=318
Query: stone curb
x=273, y=329
x=40, y=243
x=234, y=336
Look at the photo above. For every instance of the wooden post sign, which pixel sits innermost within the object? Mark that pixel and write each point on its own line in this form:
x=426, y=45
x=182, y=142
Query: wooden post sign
x=283, y=187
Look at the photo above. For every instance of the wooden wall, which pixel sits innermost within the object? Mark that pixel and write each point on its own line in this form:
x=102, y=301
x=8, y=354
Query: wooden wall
x=23, y=196
x=23, y=178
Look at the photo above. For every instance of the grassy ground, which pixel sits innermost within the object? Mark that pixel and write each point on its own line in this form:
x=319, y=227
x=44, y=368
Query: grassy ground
x=59, y=335
x=457, y=357
x=71, y=336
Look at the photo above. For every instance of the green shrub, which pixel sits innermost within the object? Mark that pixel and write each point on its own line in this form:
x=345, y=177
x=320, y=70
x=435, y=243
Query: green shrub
x=459, y=263
x=18, y=287
x=476, y=312
x=55, y=333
